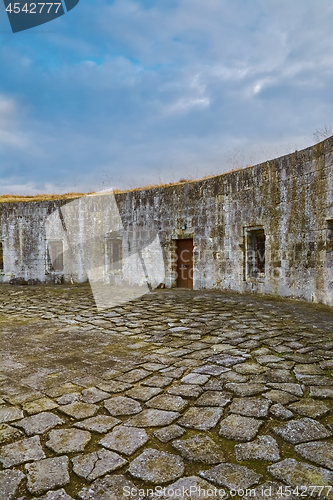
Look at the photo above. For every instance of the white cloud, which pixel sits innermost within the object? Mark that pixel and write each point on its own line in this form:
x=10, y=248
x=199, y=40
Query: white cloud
x=9, y=117
x=8, y=111
x=128, y=91
x=186, y=103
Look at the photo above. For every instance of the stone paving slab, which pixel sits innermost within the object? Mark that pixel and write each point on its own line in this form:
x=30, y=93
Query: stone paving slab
x=115, y=386
x=47, y=474
x=10, y=481
x=281, y=397
x=281, y=376
x=294, y=389
x=10, y=414
x=8, y=433
x=22, y=395
x=233, y=476
x=93, y=465
x=38, y=424
x=38, y=405
x=120, y=405
x=233, y=377
x=152, y=418
x=302, y=430
x=239, y=428
x=21, y=451
x=211, y=370
x=125, y=440
x=195, y=379
x=68, y=440
x=250, y=369
x=321, y=392
x=199, y=448
x=294, y=473
x=94, y=395
x=70, y=398
x=157, y=381
x=166, y=402
x=243, y=389
x=165, y=434
x=115, y=487
x=250, y=407
x=101, y=423
x=320, y=452
x=246, y=375
x=186, y=390
x=67, y=388
x=156, y=466
x=226, y=360
x=79, y=410
x=279, y=411
x=309, y=407
x=198, y=487
x=201, y=418
x=55, y=495
x=133, y=376
x=143, y=393
x=262, y=448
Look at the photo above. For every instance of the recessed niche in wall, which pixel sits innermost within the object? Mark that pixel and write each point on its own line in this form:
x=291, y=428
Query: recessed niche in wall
x=255, y=252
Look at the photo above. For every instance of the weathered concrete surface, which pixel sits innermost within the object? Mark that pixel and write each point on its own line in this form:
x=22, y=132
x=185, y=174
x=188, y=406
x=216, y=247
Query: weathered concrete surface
x=58, y=351
x=290, y=198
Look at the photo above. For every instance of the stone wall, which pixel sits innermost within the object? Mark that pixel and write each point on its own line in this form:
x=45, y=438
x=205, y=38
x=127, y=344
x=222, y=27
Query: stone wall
x=289, y=198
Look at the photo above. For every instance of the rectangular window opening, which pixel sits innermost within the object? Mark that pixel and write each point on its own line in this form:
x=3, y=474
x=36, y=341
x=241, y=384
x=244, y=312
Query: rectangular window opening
x=255, y=253
x=55, y=252
x=114, y=250
x=330, y=235
x=1, y=257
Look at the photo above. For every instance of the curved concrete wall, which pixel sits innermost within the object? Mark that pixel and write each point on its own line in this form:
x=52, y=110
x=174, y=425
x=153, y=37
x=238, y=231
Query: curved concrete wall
x=289, y=198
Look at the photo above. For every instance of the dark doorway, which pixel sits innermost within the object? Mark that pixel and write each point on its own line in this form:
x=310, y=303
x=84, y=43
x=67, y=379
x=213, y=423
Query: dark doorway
x=56, y=255
x=1, y=256
x=185, y=263
x=114, y=250
x=255, y=253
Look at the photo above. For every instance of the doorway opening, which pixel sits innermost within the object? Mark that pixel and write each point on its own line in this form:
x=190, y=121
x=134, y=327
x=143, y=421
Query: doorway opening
x=184, y=263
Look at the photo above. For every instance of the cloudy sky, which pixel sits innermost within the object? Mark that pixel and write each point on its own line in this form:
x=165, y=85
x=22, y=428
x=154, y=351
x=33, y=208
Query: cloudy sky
x=131, y=92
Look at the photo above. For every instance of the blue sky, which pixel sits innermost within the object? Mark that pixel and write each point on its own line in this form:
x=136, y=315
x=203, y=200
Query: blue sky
x=131, y=92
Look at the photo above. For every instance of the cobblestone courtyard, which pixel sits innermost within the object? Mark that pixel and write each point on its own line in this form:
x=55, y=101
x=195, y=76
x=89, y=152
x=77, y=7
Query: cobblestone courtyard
x=177, y=388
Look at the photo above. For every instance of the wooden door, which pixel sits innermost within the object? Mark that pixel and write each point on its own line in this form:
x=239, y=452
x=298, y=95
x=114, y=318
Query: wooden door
x=185, y=263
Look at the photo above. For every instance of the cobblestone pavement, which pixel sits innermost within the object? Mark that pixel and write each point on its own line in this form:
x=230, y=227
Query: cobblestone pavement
x=178, y=389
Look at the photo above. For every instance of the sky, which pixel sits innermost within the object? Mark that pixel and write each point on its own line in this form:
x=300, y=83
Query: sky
x=125, y=93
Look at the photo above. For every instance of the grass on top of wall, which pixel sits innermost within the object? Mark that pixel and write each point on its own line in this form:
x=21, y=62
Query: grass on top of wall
x=12, y=198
